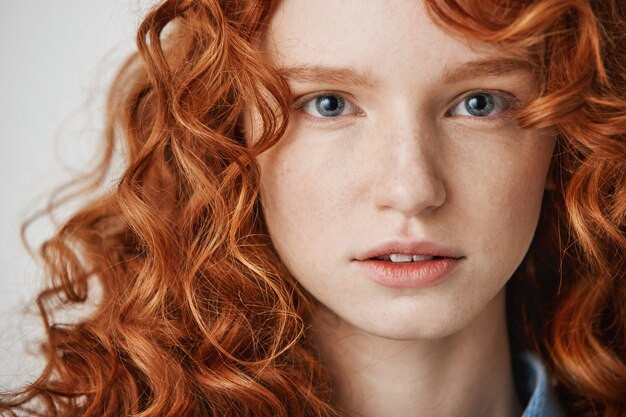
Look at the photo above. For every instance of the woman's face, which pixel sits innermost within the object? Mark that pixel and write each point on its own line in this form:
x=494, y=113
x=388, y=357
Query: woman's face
x=401, y=138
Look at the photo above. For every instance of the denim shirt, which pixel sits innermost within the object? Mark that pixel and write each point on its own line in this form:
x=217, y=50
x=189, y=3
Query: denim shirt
x=533, y=387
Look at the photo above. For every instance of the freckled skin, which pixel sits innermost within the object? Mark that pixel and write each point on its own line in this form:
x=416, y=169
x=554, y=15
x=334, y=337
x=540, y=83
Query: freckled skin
x=404, y=161
x=402, y=169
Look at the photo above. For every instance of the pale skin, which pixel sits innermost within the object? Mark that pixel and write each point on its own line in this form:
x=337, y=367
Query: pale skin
x=403, y=159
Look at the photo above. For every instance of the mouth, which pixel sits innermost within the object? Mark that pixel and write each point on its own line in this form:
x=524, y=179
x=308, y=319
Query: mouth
x=404, y=258
x=404, y=271
x=408, y=251
x=409, y=264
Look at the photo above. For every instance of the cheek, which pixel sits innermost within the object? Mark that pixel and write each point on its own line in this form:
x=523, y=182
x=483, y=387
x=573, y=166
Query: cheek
x=301, y=206
x=307, y=183
x=515, y=190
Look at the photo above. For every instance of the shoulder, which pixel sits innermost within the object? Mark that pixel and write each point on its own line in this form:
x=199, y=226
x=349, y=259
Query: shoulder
x=534, y=387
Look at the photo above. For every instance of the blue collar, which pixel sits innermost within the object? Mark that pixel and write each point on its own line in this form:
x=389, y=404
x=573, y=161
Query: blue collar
x=533, y=387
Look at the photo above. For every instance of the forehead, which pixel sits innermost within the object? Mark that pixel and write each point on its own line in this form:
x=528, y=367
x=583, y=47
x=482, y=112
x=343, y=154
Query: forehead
x=381, y=37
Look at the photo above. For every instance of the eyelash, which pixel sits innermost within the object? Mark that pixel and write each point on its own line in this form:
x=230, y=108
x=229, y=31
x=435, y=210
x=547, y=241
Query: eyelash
x=301, y=102
x=509, y=100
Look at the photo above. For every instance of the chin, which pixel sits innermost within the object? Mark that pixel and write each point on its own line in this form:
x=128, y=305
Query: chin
x=436, y=329
x=410, y=323
x=433, y=321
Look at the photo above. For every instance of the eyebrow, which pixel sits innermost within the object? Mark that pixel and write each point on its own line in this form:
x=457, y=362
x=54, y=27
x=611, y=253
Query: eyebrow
x=323, y=74
x=493, y=67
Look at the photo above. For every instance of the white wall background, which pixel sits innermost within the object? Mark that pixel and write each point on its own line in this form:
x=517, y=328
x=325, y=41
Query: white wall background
x=56, y=61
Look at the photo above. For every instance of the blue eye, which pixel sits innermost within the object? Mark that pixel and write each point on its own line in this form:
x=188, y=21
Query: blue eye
x=481, y=105
x=328, y=106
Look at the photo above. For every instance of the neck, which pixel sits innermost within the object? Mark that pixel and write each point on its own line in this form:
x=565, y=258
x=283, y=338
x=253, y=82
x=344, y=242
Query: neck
x=465, y=374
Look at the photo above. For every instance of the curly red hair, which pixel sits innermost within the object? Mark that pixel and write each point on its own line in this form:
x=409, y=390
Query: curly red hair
x=197, y=316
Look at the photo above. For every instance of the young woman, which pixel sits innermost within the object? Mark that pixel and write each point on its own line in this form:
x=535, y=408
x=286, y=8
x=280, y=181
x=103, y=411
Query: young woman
x=382, y=208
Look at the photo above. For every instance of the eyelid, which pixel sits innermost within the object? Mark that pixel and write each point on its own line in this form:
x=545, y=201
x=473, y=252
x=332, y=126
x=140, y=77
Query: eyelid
x=512, y=103
x=300, y=101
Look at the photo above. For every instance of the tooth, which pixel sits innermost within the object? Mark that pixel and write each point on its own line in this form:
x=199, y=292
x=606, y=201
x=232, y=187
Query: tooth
x=400, y=258
x=417, y=258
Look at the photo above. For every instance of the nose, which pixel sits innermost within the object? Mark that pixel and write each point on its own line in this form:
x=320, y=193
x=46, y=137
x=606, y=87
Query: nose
x=409, y=180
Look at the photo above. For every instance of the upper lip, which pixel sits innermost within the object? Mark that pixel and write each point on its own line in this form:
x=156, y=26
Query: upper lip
x=409, y=248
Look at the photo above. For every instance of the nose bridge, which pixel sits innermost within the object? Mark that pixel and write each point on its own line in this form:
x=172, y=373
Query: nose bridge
x=410, y=179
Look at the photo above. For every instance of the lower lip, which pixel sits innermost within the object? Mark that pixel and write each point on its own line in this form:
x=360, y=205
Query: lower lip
x=410, y=274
